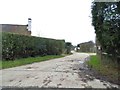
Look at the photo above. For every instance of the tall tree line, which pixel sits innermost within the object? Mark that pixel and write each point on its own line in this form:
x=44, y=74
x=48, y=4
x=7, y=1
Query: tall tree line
x=106, y=22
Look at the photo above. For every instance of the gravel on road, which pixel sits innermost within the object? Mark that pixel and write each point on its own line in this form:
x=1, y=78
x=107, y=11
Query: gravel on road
x=66, y=72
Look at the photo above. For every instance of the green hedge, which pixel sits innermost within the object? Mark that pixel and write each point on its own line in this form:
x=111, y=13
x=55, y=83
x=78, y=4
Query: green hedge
x=68, y=46
x=20, y=46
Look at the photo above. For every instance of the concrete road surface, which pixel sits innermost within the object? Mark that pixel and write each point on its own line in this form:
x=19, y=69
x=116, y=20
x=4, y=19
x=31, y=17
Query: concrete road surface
x=56, y=73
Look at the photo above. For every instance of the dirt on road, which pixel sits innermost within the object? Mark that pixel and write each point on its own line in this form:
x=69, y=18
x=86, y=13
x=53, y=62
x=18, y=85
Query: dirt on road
x=66, y=72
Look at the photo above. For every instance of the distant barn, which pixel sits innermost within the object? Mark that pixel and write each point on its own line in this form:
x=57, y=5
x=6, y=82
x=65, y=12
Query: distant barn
x=87, y=47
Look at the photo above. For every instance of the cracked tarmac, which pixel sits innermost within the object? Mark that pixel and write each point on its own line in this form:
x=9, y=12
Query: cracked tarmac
x=66, y=72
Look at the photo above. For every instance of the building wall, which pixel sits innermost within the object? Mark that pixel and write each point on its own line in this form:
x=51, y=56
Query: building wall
x=87, y=47
x=19, y=29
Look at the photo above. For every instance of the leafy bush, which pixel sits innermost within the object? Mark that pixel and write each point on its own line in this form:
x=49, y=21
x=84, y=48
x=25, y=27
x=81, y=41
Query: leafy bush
x=68, y=47
x=20, y=46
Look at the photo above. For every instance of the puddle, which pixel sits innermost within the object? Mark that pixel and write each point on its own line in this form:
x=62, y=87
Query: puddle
x=81, y=62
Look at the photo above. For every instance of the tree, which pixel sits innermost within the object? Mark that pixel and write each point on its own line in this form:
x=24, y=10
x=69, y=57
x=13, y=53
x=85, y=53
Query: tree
x=106, y=22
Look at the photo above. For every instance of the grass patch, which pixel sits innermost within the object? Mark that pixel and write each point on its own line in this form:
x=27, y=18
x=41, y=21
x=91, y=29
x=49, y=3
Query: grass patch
x=94, y=62
x=24, y=61
x=110, y=70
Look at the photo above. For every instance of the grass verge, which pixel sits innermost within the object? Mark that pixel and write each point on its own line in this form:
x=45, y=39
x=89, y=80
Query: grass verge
x=24, y=61
x=109, y=70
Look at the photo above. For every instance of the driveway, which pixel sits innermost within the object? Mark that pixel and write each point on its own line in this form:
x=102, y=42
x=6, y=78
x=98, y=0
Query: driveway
x=63, y=72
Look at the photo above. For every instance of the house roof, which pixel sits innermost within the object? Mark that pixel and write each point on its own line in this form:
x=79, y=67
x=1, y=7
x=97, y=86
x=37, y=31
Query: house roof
x=15, y=24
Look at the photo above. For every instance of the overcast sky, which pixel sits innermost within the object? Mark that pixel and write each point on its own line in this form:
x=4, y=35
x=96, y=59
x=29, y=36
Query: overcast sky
x=58, y=19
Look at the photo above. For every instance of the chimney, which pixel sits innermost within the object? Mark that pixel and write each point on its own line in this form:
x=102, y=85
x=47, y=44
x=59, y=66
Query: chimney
x=29, y=24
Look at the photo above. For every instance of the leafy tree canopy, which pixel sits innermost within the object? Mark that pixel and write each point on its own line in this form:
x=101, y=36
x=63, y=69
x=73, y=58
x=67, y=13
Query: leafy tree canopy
x=106, y=22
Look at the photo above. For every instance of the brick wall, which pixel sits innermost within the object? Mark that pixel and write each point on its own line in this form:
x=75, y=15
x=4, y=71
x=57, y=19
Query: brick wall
x=19, y=29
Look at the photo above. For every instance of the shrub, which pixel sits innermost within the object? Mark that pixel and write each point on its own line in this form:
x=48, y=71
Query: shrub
x=68, y=47
x=20, y=46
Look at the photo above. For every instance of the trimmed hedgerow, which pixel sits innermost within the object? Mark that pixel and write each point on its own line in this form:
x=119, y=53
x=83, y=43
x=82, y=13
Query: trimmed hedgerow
x=21, y=46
